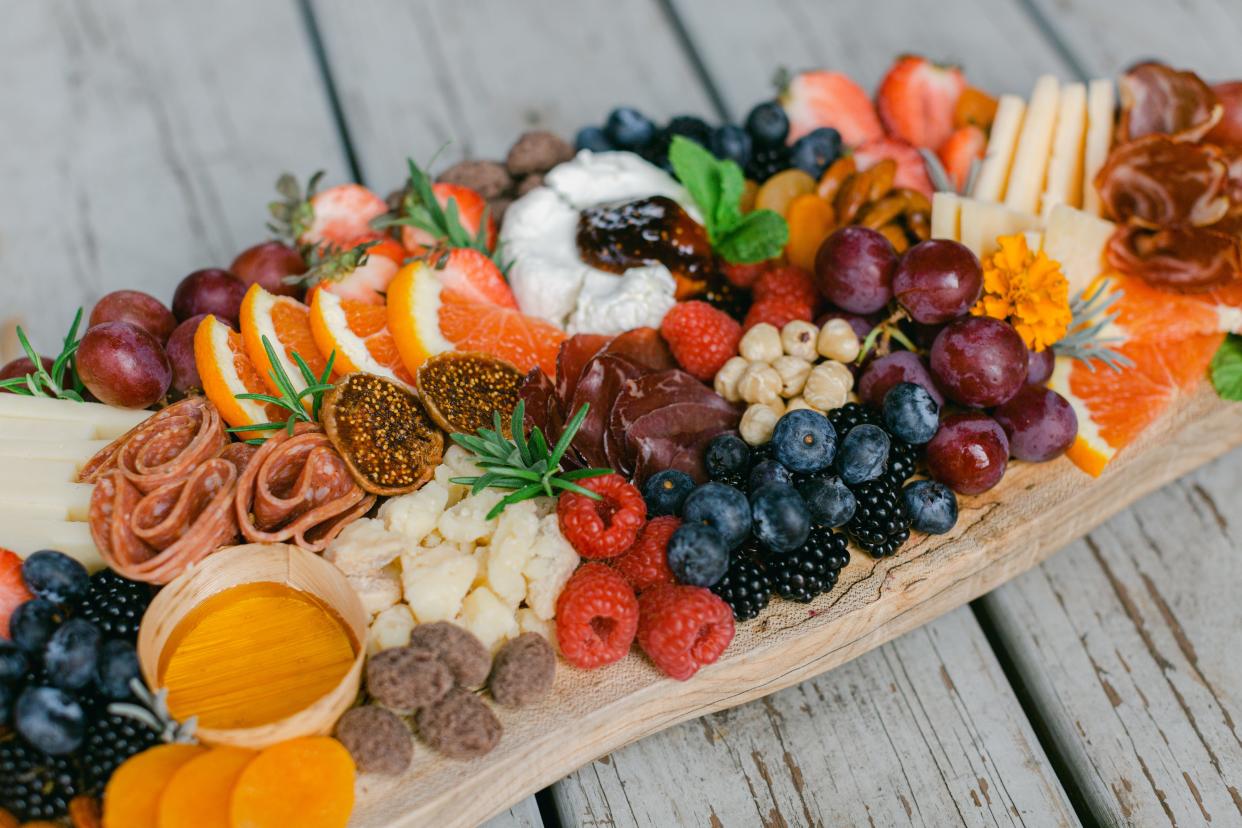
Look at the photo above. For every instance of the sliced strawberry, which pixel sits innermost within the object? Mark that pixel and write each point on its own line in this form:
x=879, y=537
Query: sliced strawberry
x=342, y=215
x=468, y=276
x=917, y=99
x=357, y=273
x=830, y=99
x=470, y=208
x=13, y=592
x=957, y=154
x=911, y=171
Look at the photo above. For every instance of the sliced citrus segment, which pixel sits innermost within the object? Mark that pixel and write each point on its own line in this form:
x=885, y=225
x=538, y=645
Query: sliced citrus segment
x=226, y=371
x=511, y=335
x=286, y=324
x=358, y=333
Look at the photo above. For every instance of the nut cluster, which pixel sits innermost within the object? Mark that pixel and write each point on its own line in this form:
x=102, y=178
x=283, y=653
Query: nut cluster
x=869, y=198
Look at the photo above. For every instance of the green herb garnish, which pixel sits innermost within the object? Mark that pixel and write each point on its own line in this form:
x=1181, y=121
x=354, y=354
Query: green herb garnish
x=1226, y=369
x=290, y=398
x=523, y=464
x=716, y=186
x=41, y=382
x=1090, y=316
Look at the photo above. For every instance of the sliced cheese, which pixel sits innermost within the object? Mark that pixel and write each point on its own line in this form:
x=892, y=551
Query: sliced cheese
x=61, y=500
x=1063, y=182
x=78, y=451
x=982, y=222
x=1030, y=159
x=25, y=534
x=1101, y=100
x=108, y=422
x=14, y=429
x=998, y=157
x=946, y=216
x=1077, y=239
x=37, y=472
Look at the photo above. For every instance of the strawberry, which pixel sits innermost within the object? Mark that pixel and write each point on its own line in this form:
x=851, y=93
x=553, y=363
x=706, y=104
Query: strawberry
x=360, y=273
x=960, y=151
x=911, y=171
x=830, y=99
x=917, y=100
x=468, y=276
x=339, y=216
x=13, y=592
x=470, y=208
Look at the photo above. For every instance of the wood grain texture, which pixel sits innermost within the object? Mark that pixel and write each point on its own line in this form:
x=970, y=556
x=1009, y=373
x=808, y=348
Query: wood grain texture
x=525, y=814
x=1035, y=511
x=141, y=140
x=415, y=76
x=921, y=731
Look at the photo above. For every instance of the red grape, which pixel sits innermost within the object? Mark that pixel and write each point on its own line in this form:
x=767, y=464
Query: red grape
x=937, y=280
x=213, y=291
x=20, y=367
x=1039, y=423
x=123, y=365
x=180, y=349
x=900, y=366
x=1039, y=365
x=137, y=308
x=267, y=264
x=969, y=453
x=979, y=361
x=854, y=269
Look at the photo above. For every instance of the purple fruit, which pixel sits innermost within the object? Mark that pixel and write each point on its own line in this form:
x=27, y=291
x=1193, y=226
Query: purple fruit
x=180, y=349
x=136, y=308
x=213, y=291
x=900, y=366
x=854, y=269
x=20, y=367
x=1039, y=365
x=267, y=264
x=969, y=453
x=1039, y=422
x=937, y=280
x=979, y=361
x=123, y=365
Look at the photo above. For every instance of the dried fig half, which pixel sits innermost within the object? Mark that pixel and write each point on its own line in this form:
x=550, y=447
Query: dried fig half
x=461, y=389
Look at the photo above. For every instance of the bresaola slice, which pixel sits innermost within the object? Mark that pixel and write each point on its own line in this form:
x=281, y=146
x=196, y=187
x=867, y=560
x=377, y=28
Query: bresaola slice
x=643, y=347
x=599, y=386
x=571, y=359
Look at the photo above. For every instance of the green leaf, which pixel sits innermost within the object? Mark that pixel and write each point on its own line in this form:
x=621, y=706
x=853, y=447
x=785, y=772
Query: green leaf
x=696, y=169
x=567, y=436
x=582, y=474
x=758, y=236
x=732, y=186
x=1226, y=369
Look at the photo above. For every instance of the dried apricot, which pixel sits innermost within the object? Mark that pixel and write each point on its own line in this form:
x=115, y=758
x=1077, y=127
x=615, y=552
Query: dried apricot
x=132, y=797
x=810, y=220
x=974, y=106
x=304, y=782
x=782, y=188
x=198, y=794
x=7, y=820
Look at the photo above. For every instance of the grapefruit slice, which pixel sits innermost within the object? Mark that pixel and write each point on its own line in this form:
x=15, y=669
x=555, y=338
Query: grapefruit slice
x=358, y=333
x=226, y=371
x=286, y=324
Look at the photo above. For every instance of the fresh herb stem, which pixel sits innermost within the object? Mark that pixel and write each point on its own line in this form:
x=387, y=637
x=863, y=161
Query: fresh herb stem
x=290, y=398
x=41, y=382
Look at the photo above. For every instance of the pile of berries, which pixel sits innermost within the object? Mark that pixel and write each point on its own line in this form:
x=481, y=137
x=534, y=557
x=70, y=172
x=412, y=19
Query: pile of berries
x=66, y=653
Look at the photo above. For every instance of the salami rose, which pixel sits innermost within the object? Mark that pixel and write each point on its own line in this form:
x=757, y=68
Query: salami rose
x=1159, y=100
x=1156, y=181
x=1184, y=259
x=164, y=448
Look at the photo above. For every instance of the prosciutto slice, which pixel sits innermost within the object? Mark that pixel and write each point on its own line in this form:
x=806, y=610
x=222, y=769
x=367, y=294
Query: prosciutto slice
x=164, y=448
x=1182, y=258
x=1159, y=100
x=1157, y=181
x=297, y=489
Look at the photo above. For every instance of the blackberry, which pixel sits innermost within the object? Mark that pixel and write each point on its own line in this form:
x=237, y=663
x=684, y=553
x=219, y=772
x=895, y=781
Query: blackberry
x=735, y=479
x=110, y=740
x=880, y=525
x=33, y=785
x=760, y=453
x=115, y=605
x=766, y=162
x=850, y=415
x=745, y=587
x=903, y=461
x=812, y=568
x=723, y=295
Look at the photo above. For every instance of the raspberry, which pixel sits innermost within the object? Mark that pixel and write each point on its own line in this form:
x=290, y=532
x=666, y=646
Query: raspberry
x=596, y=617
x=646, y=563
x=602, y=528
x=743, y=275
x=681, y=628
x=777, y=311
x=789, y=283
x=701, y=338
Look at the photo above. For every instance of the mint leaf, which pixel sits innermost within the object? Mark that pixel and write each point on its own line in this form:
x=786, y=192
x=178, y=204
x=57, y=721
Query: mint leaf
x=1226, y=369
x=732, y=185
x=758, y=236
x=695, y=168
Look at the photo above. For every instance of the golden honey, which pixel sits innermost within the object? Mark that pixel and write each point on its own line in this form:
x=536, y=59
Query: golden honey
x=254, y=654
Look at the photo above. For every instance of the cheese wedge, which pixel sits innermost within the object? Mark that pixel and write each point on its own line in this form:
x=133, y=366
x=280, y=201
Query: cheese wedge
x=1030, y=159
x=1101, y=100
x=107, y=422
x=1063, y=182
x=946, y=216
x=982, y=222
x=998, y=157
x=25, y=534
x=1077, y=239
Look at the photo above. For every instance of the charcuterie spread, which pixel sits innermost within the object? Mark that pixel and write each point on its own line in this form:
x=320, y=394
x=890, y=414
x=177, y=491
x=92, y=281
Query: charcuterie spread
x=366, y=497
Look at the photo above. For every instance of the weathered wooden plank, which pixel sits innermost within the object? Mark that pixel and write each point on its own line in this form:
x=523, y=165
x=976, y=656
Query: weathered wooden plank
x=525, y=814
x=921, y=731
x=141, y=140
x=414, y=76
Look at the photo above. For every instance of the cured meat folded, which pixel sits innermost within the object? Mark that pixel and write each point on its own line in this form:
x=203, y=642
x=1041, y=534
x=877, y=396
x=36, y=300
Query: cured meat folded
x=1182, y=258
x=164, y=448
x=1157, y=181
x=1158, y=99
x=298, y=489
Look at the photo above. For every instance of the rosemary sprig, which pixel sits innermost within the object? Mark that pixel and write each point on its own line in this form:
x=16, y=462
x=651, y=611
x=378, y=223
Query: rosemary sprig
x=290, y=398
x=523, y=465
x=941, y=182
x=41, y=382
x=1090, y=314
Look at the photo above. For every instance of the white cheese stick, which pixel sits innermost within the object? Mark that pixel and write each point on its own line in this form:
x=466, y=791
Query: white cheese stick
x=25, y=535
x=946, y=216
x=64, y=501
x=1077, y=239
x=1101, y=99
x=998, y=157
x=78, y=451
x=108, y=422
x=1030, y=160
x=1063, y=183
x=12, y=428
x=983, y=222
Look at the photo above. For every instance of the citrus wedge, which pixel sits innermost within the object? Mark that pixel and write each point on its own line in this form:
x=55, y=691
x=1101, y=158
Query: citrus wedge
x=358, y=333
x=286, y=324
x=226, y=371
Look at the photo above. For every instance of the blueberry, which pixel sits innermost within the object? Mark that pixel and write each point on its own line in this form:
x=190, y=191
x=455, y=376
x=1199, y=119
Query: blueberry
x=732, y=143
x=813, y=152
x=727, y=455
x=829, y=500
x=697, y=555
x=592, y=138
x=71, y=654
x=666, y=491
x=118, y=666
x=13, y=663
x=629, y=129
x=932, y=506
x=721, y=507
x=56, y=577
x=781, y=519
x=767, y=124
x=767, y=472
x=911, y=413
x=33, y=623
x=696, y=129
x=49, y=719
x=804, y=441
x=864, y=454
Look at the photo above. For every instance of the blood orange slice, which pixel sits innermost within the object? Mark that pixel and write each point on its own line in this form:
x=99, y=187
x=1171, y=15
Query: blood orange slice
x=358, y=333
x=285, y=322
x=226, y=371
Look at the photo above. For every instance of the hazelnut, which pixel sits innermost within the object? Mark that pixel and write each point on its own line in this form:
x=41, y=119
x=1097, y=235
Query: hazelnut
x=793, y=372
x=487, y=178
x=824, y=388
x=757, y=424
x=537, y=152
x=759, y=383
x=838, y=341
x=842, y=371
x=725, y=383
x=762, y=343
x=798, y=338
x=798, y=403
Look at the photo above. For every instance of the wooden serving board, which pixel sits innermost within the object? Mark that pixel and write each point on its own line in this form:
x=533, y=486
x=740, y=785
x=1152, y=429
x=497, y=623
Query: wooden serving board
x=1036, y=510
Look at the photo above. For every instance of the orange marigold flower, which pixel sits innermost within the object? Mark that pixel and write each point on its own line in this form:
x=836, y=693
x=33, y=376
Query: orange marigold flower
x=1028, y=290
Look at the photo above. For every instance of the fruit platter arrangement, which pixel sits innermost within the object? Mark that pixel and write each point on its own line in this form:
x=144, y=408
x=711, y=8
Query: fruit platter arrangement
x=431, y=498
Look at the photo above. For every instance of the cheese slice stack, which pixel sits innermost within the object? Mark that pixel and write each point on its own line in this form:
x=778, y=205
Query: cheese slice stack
x=43, y=444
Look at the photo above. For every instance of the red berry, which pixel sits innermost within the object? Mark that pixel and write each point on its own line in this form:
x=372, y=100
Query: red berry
x=789, y=283
x=682, y=628
x=596, y=617
x=646, y=563
x=602, y=528
x=13, y=591
x=777, y=311
x=743, y=275
x=701, y=338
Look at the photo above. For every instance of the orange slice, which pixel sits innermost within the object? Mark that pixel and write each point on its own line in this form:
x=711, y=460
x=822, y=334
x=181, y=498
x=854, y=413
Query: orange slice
x=358, y=333
x=286, y=324
x=226, y=371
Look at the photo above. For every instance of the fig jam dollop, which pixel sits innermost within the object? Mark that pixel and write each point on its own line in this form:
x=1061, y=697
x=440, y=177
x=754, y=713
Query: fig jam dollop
x=655, y=230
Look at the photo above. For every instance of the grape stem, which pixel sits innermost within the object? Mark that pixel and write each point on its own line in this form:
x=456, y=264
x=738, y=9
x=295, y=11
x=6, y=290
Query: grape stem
x=881, y=336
